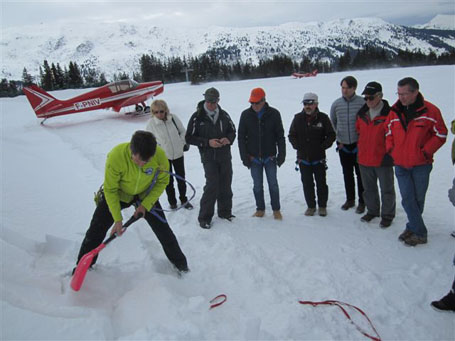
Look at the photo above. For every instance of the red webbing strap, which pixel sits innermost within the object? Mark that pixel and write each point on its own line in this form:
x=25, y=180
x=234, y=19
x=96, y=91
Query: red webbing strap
x=340, y=305
x=214, y=305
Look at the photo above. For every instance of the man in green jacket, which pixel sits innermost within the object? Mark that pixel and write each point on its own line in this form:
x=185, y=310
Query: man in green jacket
x=136, y=174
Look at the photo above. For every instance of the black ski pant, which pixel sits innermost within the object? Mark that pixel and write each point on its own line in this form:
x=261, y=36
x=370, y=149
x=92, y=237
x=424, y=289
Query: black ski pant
x=349, y=164
x=102, y=220
x=217, y=189
x=179, y=169
x=309, y=173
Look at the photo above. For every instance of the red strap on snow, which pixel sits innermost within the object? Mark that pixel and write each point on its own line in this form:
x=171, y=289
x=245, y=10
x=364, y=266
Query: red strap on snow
x=339, y=305
x=214, y=305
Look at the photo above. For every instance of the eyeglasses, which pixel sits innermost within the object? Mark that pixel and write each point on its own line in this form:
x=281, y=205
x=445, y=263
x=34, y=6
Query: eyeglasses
x=158, y=112
x=309, y=102
x=369, y=98
x=403, y=94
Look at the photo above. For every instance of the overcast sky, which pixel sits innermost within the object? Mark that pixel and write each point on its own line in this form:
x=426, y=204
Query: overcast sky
x=221, y=13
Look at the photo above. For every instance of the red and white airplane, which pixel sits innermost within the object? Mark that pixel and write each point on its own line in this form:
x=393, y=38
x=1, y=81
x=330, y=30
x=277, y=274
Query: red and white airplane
x=309, y=74
x=114, y=95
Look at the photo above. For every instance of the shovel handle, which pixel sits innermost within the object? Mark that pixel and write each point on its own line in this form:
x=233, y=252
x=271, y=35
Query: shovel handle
x=125, y=226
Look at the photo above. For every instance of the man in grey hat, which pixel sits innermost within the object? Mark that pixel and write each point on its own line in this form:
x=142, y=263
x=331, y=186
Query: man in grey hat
x=311, y=133
x=375, y=164
x=211, y=129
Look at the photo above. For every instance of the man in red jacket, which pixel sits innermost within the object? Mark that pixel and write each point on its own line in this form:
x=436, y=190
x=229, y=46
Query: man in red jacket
x=375, y=164
x=415, y=131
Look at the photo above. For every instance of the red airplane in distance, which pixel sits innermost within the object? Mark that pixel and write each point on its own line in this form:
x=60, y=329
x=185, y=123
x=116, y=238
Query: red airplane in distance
x=114, y=95
x=302, y=75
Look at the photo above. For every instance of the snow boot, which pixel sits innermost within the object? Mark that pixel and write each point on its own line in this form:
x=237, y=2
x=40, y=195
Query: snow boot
x=447, y=303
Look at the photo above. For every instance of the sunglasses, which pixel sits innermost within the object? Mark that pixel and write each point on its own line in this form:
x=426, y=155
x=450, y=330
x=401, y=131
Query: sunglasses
x=369, y=98
x=309, y=102
x=158, y=112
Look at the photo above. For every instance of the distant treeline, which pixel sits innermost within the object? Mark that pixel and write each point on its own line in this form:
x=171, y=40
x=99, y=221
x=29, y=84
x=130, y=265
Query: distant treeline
x=210, y=67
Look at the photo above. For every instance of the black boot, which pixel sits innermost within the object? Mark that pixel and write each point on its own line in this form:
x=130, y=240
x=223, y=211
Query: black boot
x=447, y=303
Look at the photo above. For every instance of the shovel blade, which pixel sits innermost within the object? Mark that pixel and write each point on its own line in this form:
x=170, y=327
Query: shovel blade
x=82, y=268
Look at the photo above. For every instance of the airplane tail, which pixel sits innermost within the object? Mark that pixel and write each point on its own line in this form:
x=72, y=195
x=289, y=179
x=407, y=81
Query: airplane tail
x=40, y=100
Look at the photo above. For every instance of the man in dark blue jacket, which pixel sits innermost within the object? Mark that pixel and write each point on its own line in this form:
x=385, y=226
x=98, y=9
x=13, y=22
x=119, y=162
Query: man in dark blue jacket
x=262, y=147
x=211, y=129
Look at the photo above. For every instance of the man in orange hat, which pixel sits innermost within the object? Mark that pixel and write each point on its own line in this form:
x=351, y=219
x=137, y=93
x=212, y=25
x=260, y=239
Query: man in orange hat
x=262, y=147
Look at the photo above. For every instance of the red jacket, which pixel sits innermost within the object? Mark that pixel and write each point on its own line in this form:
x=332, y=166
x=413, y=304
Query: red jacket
x=413, y=137
x=371, y=143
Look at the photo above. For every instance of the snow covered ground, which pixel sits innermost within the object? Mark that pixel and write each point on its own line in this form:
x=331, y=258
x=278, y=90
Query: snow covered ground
x=49, y=174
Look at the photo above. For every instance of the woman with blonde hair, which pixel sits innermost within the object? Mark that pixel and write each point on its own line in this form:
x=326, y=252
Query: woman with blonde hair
x=170, y=135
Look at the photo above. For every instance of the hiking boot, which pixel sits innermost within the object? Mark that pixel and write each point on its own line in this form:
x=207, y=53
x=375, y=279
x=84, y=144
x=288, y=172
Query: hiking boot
x=385, y=222
x=414, y=240
x=360, y=209
x=406, y=234
x=368, y=217
x=322, y=211
x=347, y=205
x=205, y=224
x=447, y=303
x=173, y=206
x=277, y=215
x=228, y=217
x=310, y=211
x=187, y=205
x=259, y=214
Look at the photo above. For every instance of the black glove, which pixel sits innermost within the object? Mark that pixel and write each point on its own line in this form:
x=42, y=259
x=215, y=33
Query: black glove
x=247, y=163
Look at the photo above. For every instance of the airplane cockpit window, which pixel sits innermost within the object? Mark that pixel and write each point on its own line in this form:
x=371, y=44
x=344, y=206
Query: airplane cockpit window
x=122, y=85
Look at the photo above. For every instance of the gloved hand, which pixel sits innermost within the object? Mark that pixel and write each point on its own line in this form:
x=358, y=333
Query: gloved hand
x=247, y=163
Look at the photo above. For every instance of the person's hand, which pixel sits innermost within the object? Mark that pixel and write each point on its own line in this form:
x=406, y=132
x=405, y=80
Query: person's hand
x=215, y=143
x=140, y=211
x=117, y=229
x=225, y=141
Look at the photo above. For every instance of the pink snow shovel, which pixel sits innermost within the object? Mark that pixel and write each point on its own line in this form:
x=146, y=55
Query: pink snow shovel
x=86, y=260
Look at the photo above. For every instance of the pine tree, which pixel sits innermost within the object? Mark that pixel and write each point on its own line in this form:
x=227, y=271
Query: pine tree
x=74, y=76
x=47, y=81
x=27, y=79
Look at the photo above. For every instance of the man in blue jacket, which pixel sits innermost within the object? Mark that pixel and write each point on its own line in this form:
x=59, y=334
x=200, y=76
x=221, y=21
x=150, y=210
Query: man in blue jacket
x=262, y=147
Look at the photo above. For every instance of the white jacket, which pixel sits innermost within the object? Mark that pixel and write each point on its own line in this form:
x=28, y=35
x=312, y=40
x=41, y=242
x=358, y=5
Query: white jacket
x=169, y=136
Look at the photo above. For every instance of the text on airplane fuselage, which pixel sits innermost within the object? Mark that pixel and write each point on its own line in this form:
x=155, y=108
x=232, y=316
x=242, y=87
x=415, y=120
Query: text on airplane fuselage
x=87, y=104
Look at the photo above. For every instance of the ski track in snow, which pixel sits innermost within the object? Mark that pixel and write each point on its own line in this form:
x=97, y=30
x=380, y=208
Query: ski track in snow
x=263, y=266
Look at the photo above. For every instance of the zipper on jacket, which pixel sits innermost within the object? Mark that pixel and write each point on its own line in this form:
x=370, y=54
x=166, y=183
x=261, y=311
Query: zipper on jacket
x=170, y=139
x=138, y=178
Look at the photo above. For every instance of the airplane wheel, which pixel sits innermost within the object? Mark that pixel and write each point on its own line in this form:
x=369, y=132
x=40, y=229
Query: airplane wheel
x=139, y=108
x=147, y=109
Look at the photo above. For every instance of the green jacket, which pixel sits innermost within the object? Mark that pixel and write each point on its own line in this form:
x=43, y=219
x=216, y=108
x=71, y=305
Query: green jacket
x=123, y=179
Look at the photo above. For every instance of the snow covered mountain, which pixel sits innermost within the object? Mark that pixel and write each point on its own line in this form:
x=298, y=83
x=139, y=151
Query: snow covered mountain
x=117, y=47
x=440, y=22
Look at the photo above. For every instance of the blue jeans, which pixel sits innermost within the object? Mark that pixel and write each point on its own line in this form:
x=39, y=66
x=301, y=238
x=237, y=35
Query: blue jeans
x=413, y=183
x=257, y=174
